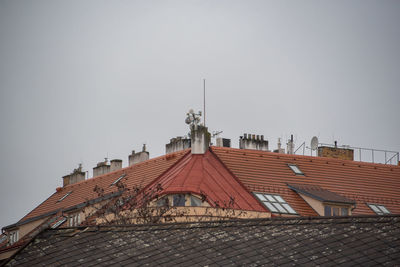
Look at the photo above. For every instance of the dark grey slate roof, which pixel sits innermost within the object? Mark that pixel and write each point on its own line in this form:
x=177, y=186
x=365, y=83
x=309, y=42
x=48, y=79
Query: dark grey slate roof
x=371, y=240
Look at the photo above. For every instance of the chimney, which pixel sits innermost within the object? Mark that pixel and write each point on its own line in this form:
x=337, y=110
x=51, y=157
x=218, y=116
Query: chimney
x=253, y=141
x=138, y=157
x=115, y=164
x=280, y=149
x=290, y=145
x=200, y=139
x=76, y=176
x=223, y=142
x=177, y=144
x=101, y=168
x=336, y=152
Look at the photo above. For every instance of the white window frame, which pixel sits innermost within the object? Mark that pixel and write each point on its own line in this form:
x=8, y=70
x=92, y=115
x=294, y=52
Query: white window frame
x=13, y=236
x=378, y=208
x=275, y=203
x=295, y=169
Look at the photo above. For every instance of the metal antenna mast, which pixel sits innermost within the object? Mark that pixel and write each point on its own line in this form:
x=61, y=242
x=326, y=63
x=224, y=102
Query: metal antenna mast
x=204, y=101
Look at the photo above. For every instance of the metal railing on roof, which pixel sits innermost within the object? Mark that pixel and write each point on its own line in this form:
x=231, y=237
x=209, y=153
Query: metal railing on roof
x=364, y=154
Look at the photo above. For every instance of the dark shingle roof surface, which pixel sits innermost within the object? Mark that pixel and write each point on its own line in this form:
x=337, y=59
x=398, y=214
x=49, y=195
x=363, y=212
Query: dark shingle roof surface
x=320, y=193
x=372, y=240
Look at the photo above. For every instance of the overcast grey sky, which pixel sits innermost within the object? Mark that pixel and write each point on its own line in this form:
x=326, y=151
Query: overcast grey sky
x=84, y=80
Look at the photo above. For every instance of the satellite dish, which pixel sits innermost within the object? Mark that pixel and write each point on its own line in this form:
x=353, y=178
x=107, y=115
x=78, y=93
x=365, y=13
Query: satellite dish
x=188, y=121
x=314, y=143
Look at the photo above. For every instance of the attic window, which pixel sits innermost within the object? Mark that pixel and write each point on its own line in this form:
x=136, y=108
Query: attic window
x=119, y=179
x=58, y=223
x=67, y=194
x=275, y=203
x=379, y=209
x=13, y=237
x=295, y=169
x=74, y=220
x=178, y=200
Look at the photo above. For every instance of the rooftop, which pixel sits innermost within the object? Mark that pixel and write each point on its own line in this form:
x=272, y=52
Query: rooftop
x=367, y=240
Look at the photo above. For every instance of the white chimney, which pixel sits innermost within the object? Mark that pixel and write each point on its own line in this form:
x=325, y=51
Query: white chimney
x=253, y=141
x=138, y=157
x=200, y=139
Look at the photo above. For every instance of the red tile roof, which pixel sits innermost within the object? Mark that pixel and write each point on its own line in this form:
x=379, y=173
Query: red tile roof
x=359, y=181
x=205, y=175
x=137, y=175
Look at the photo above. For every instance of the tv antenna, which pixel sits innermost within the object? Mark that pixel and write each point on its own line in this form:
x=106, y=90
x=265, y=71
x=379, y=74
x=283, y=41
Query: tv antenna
x=192, y=118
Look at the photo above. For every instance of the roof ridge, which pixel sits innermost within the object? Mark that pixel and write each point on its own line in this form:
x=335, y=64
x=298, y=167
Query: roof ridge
x=126, y=168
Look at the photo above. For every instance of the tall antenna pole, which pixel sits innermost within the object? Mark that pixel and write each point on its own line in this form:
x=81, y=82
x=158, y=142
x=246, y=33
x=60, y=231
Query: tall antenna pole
x=204, y=101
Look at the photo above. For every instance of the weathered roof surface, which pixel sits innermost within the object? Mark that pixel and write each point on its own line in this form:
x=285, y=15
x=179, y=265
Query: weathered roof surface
x=349, y=241
x=205, y=175
x=268, y=172
x=320, y=193
x=139, y=174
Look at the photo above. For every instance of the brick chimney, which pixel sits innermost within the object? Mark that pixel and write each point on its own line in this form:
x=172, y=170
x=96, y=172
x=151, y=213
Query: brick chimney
x=101, y=168
x=138, y=157
x=336, y=152
x=177, y=144
x=252, y=141
x=115, y=164
x=200, y=139
x=76, y=176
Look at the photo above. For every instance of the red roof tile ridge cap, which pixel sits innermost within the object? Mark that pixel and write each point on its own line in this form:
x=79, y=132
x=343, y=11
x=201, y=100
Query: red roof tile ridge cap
x=123, y=169
x=237, y=179
x=269, y=153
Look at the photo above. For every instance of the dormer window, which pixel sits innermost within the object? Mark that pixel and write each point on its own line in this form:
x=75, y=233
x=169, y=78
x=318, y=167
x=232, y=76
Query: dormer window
x=74, y=220
x=379, y=209
x=330, y=210
x=13, y=236
x=295, y=169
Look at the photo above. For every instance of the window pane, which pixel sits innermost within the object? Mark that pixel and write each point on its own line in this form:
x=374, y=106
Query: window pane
x=280, y=208
x=195, y=202
x=345, y=211
x=383, y=209
x=335, y=211
x=270, y=207
x=279, y=199
x=179, y=200
x=261, y=197
x=270, y=198
x=327, y=211
x=375, y=208
x=162, y=202
x=289, y=208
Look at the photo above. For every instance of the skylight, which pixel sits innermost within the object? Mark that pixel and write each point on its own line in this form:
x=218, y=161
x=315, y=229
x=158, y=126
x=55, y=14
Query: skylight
x=58, y=223
x=295, y=169
x=67, y=194
x=119, y=179
x=379, y=209
x=275, y=203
